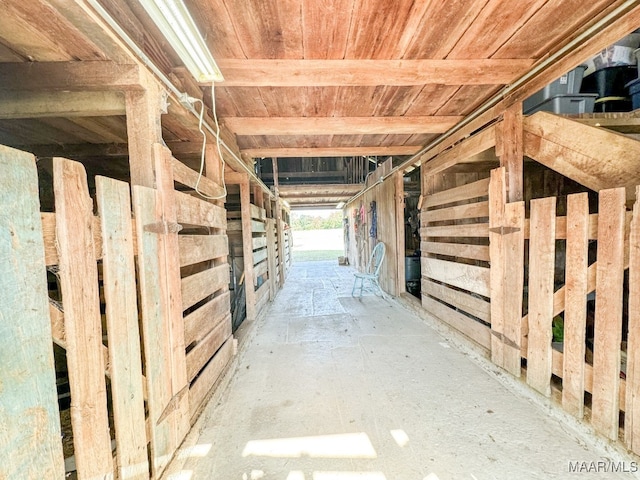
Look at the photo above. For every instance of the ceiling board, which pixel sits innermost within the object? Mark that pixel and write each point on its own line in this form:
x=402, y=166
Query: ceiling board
x=322, y=39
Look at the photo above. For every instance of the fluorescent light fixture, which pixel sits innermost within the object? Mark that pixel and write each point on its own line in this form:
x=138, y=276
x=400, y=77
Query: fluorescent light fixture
x=177, y=25
x=340, y=206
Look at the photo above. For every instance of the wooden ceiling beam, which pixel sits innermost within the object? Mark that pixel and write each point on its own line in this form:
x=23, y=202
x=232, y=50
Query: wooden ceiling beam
x=340, y=125
x=326, y=73
x=54, y=76
x=75, y=151
x=60, y=104
x=331, y=151
x=318, y=190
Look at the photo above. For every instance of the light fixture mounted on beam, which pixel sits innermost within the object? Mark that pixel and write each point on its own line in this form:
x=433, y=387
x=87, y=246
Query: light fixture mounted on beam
x=176, y=24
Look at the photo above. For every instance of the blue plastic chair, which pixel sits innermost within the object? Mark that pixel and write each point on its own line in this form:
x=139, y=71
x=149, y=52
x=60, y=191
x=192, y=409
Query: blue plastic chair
x=371, y=275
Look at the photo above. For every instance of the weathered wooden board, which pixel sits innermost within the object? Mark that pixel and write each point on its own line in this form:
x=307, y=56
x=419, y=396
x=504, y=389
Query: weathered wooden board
x=541, y=274
x=79, y=286
x=195, y=211
x=474, y=252
x=608, y=322
x=575, y=315
x=257, y=213
x=196, y=287
x=259, y=242
x=257, y=226
x=186, y=176
x=497, y=200
x=262, y=296
x=260, y=269
x=204, y=350
x=202, y=385
x=464, y=192
x=459, y=212
x=513, y=249
x=119, y=279
x=468, y=277
x=247, y=246
x=49, y=235
x=632, y=403
x=30, y=443
x=168, y=423
x=259, y=255
x=199, y=322
x=464, y=230
x=200, y=248
x=476, y=331
x=272, y=249
x=464, y=301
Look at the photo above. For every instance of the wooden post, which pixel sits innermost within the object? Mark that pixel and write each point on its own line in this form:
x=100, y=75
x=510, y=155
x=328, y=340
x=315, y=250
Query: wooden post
x=400, y=253
x=497, y=200
x=608, y=323
x=632, y=410
x=144, y=109
x=125, y=356
x=213, y=164
x=575, y=314
x=542, y=240
x=509, y=148
x=270, y=225
x=279, y=226
x=82, y=322
x=247, y=247
x=30, y=443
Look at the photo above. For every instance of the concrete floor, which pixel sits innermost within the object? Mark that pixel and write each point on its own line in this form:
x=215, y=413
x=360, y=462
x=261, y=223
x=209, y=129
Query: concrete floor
x=337, y=388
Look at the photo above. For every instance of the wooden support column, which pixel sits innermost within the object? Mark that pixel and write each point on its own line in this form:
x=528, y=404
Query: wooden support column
x=509, y=147
x=144, y=129
x=279, y=226
x=247, y=247
x=399, y=200
x=632, y=410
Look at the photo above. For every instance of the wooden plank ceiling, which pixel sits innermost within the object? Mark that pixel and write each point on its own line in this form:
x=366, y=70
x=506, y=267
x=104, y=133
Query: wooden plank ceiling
x=303, y=78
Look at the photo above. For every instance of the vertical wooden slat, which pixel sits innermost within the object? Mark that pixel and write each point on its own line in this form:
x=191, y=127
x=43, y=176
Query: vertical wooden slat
x=497, y=200
x=399, y=232
x=608, y=322
x=541, y=273
x=114, y=205
x=513, y=268
x=172, y=291
x=30, y=443
x=575, y=314
x=511, y=154
x=271, y=256
x=632, y=410
x=247, y=247
x=79, y=285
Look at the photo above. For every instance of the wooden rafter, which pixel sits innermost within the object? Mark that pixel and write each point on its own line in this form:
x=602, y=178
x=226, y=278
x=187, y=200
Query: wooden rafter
x=340, y=125
x=281, y=152
x=60, y=104
x=324, y=73
x=51, y=76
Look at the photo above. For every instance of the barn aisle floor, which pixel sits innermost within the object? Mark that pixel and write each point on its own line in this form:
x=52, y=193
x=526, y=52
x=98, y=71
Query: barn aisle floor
x=337, y=388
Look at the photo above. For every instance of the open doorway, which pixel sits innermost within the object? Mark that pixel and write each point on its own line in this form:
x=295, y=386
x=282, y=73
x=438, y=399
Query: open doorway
x=412, y=232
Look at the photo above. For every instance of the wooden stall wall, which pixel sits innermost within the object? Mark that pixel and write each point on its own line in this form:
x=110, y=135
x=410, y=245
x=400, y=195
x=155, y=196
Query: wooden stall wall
x=455, y=253
x=362, y=215
x=132, y=396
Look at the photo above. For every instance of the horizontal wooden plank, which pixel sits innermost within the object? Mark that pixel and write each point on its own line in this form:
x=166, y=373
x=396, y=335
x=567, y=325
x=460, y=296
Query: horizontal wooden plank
x=257, y=212
x=476, y=331
x=199, y=322
x=201, y=387
x=341, y=125
x=468, y=277
x=259, y=242
x=366, y=72
x=186, y=176
x=465, y=230
x=198, y=286
x=478, y=307
x=199, y=248
x=194, y=211
x=462, y=250
x=262, y=297
x=260, y=269
x=463, y=192
x=199, y=355
x=468, y=151
x=259, y=256
x=257, y=226
x=459, y=212
x=234, y=226
x=21, y=104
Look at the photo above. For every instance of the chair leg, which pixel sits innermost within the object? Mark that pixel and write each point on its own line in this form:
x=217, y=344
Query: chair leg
x=355, y=283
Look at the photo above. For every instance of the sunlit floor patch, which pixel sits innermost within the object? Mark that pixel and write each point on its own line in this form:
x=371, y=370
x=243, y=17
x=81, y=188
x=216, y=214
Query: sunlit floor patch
x=346, y=445
x=400, y=436
x=349, y=476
